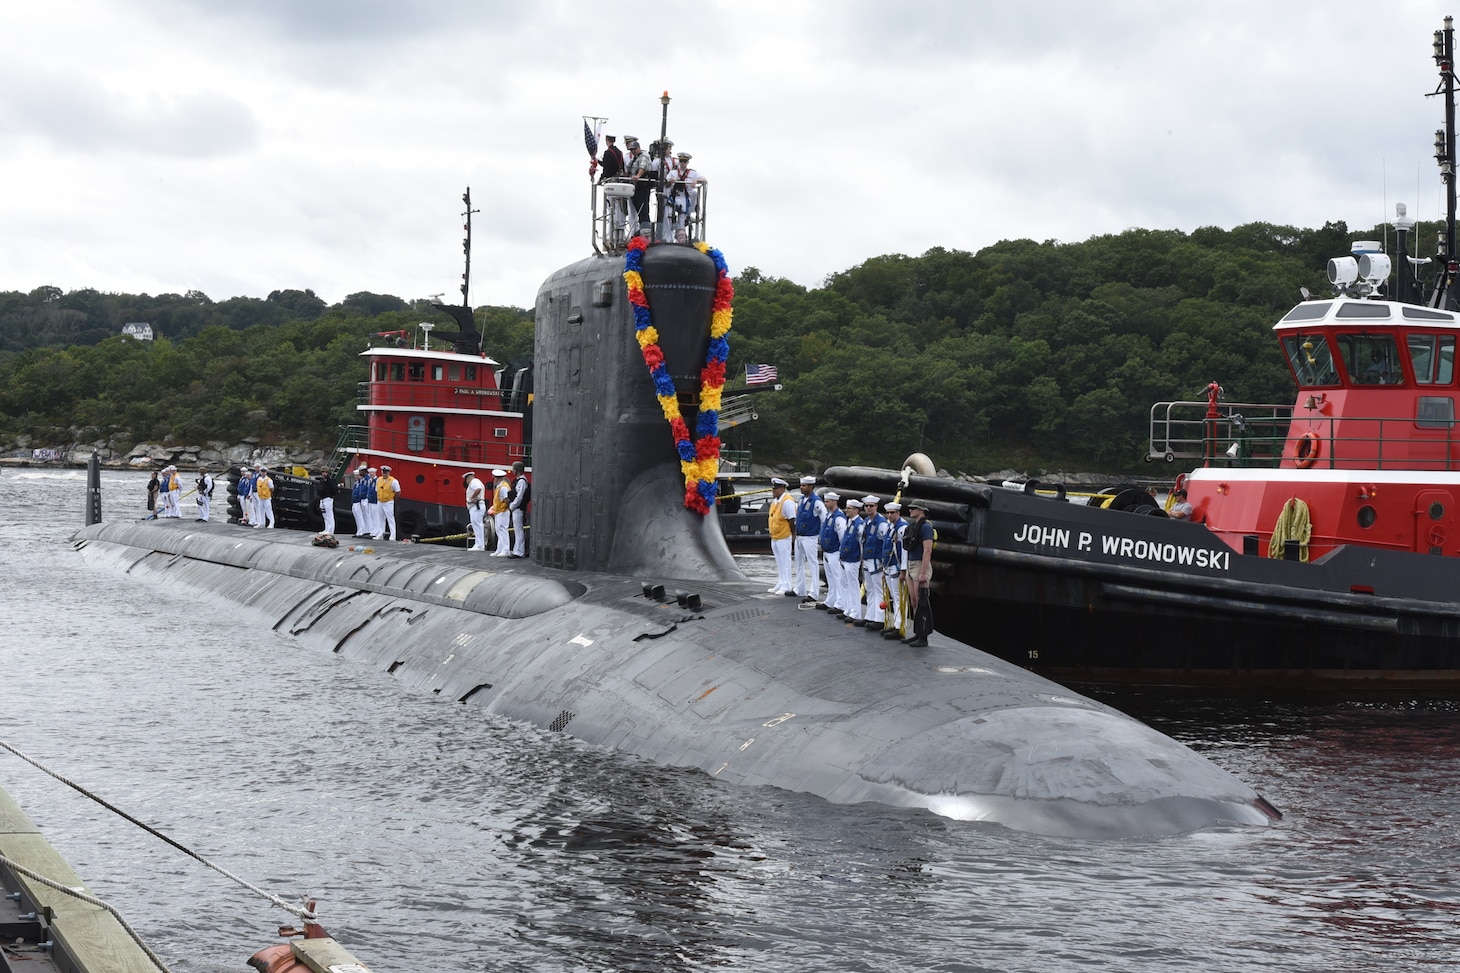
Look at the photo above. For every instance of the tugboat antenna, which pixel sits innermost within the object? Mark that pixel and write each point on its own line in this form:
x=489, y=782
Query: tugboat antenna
x=466, y=248
x=1445, y=157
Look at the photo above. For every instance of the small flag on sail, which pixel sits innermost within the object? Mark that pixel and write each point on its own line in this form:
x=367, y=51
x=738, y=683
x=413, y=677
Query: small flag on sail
x=759, y=374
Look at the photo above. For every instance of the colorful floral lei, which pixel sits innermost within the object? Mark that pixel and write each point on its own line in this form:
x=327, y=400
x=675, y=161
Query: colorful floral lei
x=699, y=460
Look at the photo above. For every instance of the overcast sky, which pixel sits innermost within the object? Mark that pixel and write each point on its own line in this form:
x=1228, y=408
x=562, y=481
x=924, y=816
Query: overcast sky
x=240, y=146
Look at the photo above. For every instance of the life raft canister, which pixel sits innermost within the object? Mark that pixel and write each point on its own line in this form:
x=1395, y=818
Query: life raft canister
x=1305, y=454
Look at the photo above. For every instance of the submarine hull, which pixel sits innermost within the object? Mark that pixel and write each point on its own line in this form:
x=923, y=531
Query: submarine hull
x=746, y=688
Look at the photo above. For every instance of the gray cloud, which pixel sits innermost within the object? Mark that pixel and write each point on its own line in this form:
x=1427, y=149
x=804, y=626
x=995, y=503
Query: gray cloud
x=75, y=114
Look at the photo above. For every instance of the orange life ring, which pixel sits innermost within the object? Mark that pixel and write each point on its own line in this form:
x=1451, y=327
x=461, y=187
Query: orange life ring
x=1306, y=452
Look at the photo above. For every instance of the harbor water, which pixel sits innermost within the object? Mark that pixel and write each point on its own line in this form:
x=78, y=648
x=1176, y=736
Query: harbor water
x=438, y=838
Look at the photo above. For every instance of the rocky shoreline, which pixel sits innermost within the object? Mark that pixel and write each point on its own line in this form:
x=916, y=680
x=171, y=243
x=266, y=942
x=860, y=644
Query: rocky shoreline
x=154, y=456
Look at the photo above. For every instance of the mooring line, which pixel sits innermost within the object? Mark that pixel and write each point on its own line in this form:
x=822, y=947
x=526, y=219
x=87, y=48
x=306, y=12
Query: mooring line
x=305, y=914
x=16, y=866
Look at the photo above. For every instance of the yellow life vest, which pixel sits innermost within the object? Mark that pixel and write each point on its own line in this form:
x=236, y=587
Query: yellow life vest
x=264, y=488
x=499, y=502
x=779, y=525
x=385, y=489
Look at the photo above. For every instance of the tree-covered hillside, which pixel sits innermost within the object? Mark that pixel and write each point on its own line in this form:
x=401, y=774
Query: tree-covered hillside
x=1024, y=354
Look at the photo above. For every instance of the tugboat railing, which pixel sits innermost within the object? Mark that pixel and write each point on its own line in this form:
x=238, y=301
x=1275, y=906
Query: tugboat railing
x=429, y=395
x=355, y=440
x=1250, y=435
x=1187, y=430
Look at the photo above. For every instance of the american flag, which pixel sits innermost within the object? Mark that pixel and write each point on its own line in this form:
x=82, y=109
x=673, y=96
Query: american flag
x=590, y=136
x=760, y=374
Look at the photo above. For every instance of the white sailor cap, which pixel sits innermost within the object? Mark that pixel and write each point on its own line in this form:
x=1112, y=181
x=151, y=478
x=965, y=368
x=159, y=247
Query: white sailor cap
x=828, y=495
x=894, y=505
x=805, y=480
x=361, y=468
x=777, y=481
x=370, y=470
x=499, y=472
x=854, y=502
x=871, y=500
x=468, y=473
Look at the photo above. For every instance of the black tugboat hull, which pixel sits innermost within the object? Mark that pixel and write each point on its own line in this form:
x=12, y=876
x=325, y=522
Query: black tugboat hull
x=1086, y=594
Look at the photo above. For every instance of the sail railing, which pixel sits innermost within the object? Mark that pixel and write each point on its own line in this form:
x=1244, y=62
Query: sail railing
x=614, y=216
x=615, y=220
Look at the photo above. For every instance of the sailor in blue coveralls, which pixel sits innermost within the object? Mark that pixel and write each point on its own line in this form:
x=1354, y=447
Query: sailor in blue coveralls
x=832, y=526
x=874, y=545
x=810, y=512
x=894, y=571
x=849, y=560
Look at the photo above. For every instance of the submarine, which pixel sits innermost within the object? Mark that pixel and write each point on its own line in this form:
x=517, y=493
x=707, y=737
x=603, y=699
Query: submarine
x=630, y=626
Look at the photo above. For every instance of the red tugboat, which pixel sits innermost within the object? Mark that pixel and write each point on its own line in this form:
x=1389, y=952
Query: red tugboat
x=434, y=408
x=1322, y=542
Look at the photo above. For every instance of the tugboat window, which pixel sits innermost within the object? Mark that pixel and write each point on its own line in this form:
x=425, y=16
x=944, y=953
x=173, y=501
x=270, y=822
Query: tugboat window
x=1370, y=359
x=1309, y=311
x=1435, y=412
x=1432, y=357
x=1310, y=359
x=435, y=433
x=453, y=373
x=471, y=373
x=435, y=373
x=418, y=372
x=1363, y=309
x=1367, y=516
x=397, y=371
x=380, y=371
x=1437, y=510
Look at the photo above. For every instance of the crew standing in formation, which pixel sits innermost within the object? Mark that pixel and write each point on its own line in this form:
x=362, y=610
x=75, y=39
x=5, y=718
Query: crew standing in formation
x=878, y=569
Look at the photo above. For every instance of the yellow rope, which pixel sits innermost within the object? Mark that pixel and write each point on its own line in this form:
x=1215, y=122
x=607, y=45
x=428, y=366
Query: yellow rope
x=1293, y=524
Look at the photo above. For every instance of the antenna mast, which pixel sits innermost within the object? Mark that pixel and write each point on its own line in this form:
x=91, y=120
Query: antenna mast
x=1444, y=47
x=466, y=248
